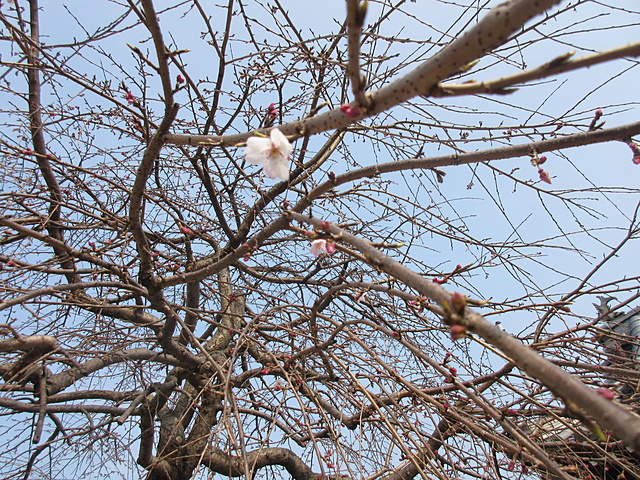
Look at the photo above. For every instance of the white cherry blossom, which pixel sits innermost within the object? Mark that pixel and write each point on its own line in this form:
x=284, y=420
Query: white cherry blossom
x=322, y=246
x=272, y=153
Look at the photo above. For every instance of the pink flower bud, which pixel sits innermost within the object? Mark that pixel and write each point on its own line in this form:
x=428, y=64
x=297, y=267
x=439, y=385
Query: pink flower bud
x=458, y=301
x=351, y=110
x=606, y=393
x=544, y=176
x=186, y=230
x=457, y=332
x=636, y=152
x=179, y=79
x=129, y=97
x=331, y=247
x=272, y=111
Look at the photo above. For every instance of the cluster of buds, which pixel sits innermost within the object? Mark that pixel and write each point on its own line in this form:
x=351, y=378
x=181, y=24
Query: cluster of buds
x=419, y=303
x=453, y=373
x=454, y=315
x=271, y=115
x=251, y=249
x=536, y=162
x=440, y=281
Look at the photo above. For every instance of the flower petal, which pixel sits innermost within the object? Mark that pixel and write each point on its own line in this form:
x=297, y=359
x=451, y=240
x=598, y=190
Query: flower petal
x=318, y=247
x=258, y=150
x=281, y=143
x=277, y=168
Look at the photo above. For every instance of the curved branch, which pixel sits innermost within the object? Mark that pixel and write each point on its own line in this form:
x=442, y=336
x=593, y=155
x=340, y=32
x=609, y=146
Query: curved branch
x=22, y=299
x=229, y=465
x=65, y=379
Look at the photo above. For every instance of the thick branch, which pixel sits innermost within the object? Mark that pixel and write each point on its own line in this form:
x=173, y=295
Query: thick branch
x=559, y=65
x=226, y=464
x=355, y=19
x=492, y=31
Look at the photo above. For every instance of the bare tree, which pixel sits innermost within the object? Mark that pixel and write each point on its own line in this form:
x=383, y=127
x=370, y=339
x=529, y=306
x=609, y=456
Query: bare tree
x=171, y=312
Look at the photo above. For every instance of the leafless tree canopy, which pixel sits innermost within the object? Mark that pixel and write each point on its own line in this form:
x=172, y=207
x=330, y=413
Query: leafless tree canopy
x=171, y=312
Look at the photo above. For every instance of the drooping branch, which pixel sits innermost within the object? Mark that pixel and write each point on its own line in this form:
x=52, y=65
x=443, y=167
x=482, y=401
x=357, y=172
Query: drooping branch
x=576, y=395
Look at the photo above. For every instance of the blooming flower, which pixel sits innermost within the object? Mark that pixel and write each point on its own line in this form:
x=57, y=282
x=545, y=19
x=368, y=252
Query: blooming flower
x=322, y=246
x=272, y=153
x=360, y=297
